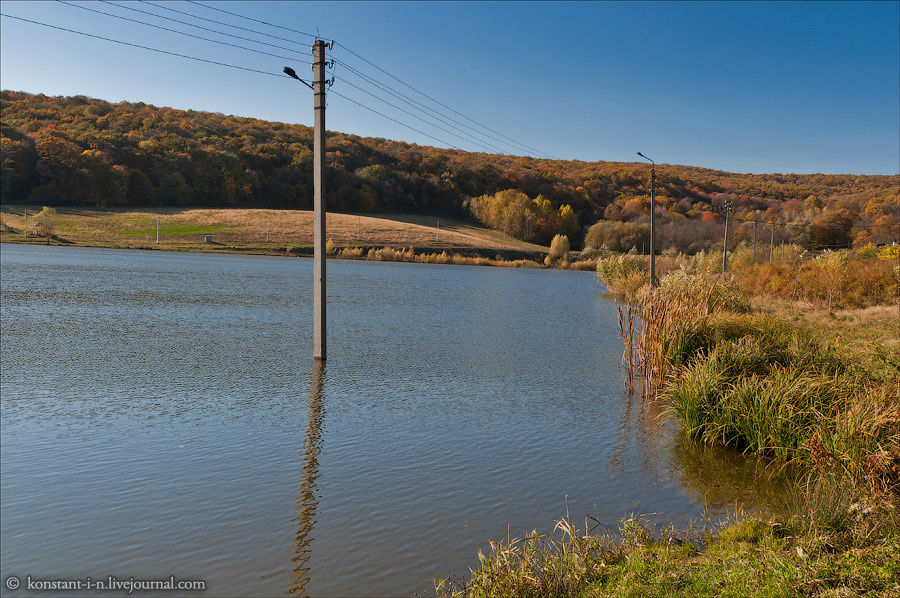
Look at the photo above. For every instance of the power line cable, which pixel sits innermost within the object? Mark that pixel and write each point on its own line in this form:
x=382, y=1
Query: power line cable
x=436, y=101
x=421, y=107
x=118, y=41
x=509, y=139
x=175, y=31
x=469, y=139
x=395, y=120
x=441, y=116
x=181, y=12
x=225, y=64
x=378, y=84
x=465, y=137
x=234, y=14
x=158, y=16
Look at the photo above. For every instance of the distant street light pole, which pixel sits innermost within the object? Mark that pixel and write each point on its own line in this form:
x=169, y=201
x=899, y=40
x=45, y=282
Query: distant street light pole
x=754, y=238
x=653, y=281
x=728, y=206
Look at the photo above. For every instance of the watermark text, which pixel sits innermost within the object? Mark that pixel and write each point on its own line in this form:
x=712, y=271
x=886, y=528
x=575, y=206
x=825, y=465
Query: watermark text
x=109, y=583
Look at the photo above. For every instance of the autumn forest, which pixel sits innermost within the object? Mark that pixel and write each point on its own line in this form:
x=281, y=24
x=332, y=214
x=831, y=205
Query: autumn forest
x=77, y=151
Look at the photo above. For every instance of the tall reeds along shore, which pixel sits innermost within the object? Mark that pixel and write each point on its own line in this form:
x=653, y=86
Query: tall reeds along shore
x=796, y=361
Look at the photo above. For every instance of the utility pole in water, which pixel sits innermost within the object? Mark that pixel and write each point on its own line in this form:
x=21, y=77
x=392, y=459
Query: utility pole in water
x=319, y=201
x=653, y=281
x=318, y=87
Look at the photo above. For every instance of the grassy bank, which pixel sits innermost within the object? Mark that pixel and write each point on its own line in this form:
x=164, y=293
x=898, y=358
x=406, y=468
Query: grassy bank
x=794, y=381
x=811, y=381
x=408, y=238
x=826, y=546
x=253, y=230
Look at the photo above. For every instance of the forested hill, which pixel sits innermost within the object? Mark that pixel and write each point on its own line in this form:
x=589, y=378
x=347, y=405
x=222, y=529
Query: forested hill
x=82, y=151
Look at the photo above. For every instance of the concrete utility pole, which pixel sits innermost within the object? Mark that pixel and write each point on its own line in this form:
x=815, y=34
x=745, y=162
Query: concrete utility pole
x=772, y=244
x=653, y=281
x=725, y=242
x=754, y=239
x=319, y=319
x=157, y=228
x=25, y=226
x=318, y=87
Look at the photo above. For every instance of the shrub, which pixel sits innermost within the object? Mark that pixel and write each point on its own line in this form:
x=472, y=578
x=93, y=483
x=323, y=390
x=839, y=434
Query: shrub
x=616, y=236
x=890, y=253
x=624, y=274
x=559, y=247
x=44, y=223
x=717, y=293
x=837, y=279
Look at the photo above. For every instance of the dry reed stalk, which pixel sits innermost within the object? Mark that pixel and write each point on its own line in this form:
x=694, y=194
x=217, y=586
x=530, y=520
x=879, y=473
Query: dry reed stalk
x=662, y=315
x=626, y=331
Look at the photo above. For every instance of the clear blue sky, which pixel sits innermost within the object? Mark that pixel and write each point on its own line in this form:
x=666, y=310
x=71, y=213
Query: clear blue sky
x=750, y=87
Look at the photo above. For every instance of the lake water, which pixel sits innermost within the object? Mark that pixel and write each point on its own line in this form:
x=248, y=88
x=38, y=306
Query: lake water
x=162, y=415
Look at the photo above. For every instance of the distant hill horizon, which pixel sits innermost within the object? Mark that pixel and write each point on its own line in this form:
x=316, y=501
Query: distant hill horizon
x=639, y=163
x=83, y=151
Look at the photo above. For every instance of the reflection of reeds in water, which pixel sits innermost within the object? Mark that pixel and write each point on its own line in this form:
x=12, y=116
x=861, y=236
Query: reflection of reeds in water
x=723, y=478
x=646, y=326
x=626, y=331
x=306, y=495
x=639, y=434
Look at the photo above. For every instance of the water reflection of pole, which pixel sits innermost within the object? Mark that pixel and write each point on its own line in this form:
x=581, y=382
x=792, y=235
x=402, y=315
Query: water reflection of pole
x=306, y=495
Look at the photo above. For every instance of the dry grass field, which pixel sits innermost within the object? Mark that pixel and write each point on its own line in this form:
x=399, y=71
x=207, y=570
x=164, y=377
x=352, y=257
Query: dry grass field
x=256, y=230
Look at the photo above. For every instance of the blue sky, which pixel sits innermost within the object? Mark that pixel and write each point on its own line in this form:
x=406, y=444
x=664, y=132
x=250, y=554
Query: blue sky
x=747, y=87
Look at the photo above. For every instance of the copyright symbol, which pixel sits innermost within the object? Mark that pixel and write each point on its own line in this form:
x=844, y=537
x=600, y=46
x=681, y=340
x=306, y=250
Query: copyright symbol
x=12, y=583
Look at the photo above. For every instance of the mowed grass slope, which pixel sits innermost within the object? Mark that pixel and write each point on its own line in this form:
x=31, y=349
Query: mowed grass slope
x=255, y=229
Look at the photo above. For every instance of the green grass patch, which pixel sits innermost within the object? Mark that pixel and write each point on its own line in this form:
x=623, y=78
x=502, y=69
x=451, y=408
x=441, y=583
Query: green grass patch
x=177, y=229
x=749, y=557
x=770, y=388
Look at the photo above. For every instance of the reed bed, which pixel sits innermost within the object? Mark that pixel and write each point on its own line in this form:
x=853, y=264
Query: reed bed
x=759, y=383
x=409, y=254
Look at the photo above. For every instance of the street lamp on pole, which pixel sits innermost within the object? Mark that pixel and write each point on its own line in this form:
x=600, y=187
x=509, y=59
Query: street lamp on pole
x=653, y=280
x=318, y=87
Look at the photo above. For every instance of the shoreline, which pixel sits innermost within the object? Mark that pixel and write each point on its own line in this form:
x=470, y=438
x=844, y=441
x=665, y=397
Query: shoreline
x=732, y=369
x=258, y=231
x=503, y=258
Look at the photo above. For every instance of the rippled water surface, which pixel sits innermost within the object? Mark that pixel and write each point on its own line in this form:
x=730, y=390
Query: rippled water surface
x=161, y=415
